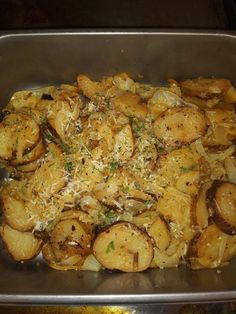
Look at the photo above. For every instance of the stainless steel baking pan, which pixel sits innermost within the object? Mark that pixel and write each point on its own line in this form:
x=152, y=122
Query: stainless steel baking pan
x=44, y=58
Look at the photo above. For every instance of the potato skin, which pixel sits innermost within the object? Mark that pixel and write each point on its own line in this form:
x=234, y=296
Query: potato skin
x=214, y=209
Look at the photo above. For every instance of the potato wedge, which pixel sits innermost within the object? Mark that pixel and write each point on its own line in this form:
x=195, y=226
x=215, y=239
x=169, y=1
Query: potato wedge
x=125, y=247
x=180, y=126
x=19, y=134
x=70, y=242
x=22, y=246
x=206, y=249
x=130, y=104
x=221, y=203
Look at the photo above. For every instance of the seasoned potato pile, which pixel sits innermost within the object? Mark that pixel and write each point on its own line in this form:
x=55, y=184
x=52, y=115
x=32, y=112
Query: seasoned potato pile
x=120, y=175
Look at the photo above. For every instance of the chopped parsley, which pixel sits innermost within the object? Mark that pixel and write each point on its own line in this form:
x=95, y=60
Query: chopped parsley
x=65, y=147
x=148, y=203
x=125, y=189
x=186, y=169
x=110, y=247
x=114, y=166
x=138, y=127
x=68, y=166
x=110, y=217
x=49, y=136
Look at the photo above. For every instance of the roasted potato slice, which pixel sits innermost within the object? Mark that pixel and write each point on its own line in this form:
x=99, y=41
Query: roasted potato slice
x=125, y=247
x=49, y=178
x=205, y=88
x=221, y=203
x=222, y=127
x=90, y=89
x=124, y=144
x=131, y=105
x=180, y=126
x=30, y=157
x=176, y=208
x=201, y=213
x=160, y=233
x=230, y=167
x=161, y=100
x=21, y=245
x=206, y=249
x=19, y=134
x=29, y=167
x=61, y=117
x=14, y=210
x=171, y=257
x=70, y=242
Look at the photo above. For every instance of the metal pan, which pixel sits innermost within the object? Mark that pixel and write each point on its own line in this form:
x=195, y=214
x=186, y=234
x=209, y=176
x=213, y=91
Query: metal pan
x=45, y=58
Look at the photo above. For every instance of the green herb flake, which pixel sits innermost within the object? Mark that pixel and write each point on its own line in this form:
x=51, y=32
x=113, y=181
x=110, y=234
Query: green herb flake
x=65, y=147
x=114, y=166
x=110, y=217
x=125, y=189
x=138, y=127
x=49, y=136
x=68, y=166
x=148, y=203
x=137, y=185
x=110, y=247
x=186, y=169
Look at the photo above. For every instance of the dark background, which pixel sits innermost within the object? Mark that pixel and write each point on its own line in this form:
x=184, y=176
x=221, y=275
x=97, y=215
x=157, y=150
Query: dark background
x=31, y=14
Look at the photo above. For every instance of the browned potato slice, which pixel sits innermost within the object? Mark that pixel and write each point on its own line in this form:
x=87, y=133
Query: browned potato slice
x=206, y=250
x=125, y=247
x=230, y=95
x=15, y=212
x=161, y=100
x=179, y=126
x=230, y=167
x=21, y=245
x=222, y=129
x=49, y=178
x=130, y=104
x=30, y=167
x=18, y=213
x=124, y=144
x=179, y=165
x=67, y=263
x=29, y=158
x=230, y=248
x=201, y=214
x=70, y=242
x=19, y=133
x=176, y=208
x=160, y=233
x=61, y=117
x=171, y=257
x=205, y=87
x=221, y=202
x=89, y=88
